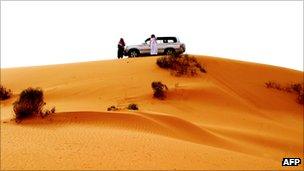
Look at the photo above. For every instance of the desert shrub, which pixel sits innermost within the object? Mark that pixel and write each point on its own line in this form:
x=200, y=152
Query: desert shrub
x=30, y=102
x=5, y=93
x=165, y=62
x=48, y=112
x=180, y=65
x=287, y=89
x=132, y=106
x=112, y=108
x=187, y=66
x=301, y=97
x=272, y=84
x=297, y=88
x=53, y=110
x=269, y=84
x=159, y=89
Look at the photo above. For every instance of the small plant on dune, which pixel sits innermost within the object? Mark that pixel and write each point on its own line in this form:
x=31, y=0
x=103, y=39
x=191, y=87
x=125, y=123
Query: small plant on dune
x=165, y=62
x=159, y=89
x=272, y=84
x=112, y=108
x=180, y=64
x=29, y=103
x=187, y=65
x=132, y=106
x=301, y=98
x=5, y=93
x=53, y=110
x=297, y=88
x=48, y=112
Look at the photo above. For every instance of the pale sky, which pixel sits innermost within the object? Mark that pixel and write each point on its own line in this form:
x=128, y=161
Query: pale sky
x=53, y=32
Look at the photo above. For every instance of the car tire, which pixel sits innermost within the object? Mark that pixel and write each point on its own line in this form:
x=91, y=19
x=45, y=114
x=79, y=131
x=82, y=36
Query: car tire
x=133, y=53
x=170, y=51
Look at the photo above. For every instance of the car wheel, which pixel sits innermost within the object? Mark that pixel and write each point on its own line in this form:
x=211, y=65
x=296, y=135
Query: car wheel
x=133, y=53
x=169, y=51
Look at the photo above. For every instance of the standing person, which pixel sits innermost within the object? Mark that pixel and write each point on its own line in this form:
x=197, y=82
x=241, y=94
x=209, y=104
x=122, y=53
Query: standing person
x=121, y=48
x=153, y=45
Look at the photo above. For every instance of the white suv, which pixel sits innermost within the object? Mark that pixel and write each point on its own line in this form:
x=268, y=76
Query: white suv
x=165, y=45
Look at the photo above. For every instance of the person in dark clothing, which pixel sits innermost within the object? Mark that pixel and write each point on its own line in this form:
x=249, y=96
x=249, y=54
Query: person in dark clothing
x=121, y=48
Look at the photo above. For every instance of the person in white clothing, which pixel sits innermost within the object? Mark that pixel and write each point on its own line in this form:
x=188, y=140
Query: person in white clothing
x=153, y=45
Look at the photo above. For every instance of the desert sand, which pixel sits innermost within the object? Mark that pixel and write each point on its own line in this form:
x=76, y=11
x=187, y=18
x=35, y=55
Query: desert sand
x=224, y=119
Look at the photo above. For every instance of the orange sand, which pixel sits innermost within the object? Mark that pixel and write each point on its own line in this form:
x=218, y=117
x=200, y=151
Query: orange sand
x=225, y=119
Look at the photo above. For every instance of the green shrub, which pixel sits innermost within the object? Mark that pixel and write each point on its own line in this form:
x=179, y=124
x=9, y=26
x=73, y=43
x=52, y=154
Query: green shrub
x=132, y=106
x=159, y=89
x=30, y=103
x=5, y=93
x=180, y=65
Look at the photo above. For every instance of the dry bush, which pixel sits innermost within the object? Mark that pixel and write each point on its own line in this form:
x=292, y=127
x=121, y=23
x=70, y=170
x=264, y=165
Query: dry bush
x=187, y=66
x=112, y=108
x=180, y=65
x=53, y=110
x=272, y=84
x=48, y=112
x=30, y=103
x=165, y=62
x=132, y=106
x=297, y=88
x=159, y=89
x=301, y=98
x=5, y=93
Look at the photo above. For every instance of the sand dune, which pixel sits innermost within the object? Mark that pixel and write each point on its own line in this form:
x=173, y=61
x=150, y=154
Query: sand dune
x=224, y=119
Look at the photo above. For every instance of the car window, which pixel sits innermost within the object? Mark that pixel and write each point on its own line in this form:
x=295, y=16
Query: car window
x=159, y=41
x=171, y=41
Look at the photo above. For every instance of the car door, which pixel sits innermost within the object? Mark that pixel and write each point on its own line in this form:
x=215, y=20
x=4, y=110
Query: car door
x=145, y=48
x=171, y=43
x=160, y=46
